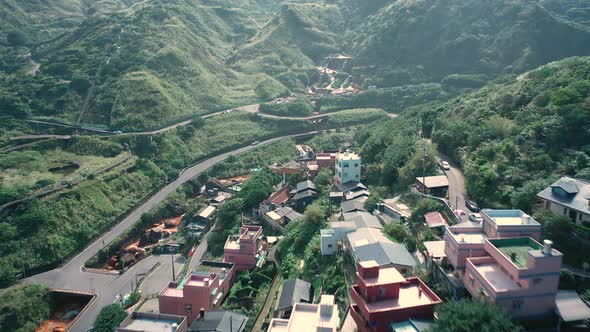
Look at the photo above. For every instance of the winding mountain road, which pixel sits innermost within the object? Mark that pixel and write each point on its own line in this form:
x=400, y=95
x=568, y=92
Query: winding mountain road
x=253, y=108
x=71, y=275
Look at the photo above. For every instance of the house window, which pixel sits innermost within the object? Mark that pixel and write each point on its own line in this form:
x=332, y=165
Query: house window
x=537, y=281
x=382, y=292
x=356, y=176
x=564, y=211
x=329, y=246
x=517, y=304
x=472, y=279
x=346, y=165
x=356, y=165
x=548, y=205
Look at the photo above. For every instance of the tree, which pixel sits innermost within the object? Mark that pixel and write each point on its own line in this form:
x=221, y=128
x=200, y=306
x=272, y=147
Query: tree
x=473, y=315
x=525, y=197
x=25, y=307
x=109, y=318
x=397, y=231
x=324, y=178
x=16, y=38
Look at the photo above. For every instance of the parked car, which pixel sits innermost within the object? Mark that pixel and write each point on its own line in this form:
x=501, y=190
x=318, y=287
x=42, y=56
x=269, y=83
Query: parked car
x=445, y=165
x=475, y=217
x=255, y=143
x=460, y=213
x=472, y=206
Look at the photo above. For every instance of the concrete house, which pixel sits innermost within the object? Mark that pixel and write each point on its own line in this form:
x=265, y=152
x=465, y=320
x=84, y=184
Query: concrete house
x=348, y=168
x=467, y=239
x=568, y=197
x=383, y=296
x=204, y=288
x=307, y=317
x=433, y=185
x=245, y=250
x=518, y=274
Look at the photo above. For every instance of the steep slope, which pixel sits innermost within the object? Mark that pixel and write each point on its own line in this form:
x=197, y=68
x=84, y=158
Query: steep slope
x=424, y=40
x=290, y=45
x=512, y=136
x=142, y=67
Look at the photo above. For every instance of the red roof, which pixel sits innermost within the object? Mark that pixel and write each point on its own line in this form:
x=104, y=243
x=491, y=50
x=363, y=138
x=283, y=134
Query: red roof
x=279, y=197
x=435, y=219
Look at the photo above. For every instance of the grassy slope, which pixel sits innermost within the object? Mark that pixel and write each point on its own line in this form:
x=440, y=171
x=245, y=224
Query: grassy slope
x=289, y=46
x=150, y=65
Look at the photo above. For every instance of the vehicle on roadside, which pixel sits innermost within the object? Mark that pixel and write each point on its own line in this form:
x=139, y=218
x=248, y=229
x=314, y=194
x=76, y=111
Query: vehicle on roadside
x=475, y=217
x=445, y=165
x=255, y=143
x=117, y=132
x=459, y=213
x=472, y=206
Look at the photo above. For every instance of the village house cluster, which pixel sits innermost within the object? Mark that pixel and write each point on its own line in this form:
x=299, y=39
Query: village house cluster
x=498, y=255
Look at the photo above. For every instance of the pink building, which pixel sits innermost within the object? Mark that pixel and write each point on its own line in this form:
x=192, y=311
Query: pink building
x=518, y=274
x=467, y=239
x=205, y=288
x=383, y=296
x=245, y=250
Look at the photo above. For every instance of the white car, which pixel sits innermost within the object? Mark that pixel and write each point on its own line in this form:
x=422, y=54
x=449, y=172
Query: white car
x=475, y=217
x=445, y=165
x=255, y=143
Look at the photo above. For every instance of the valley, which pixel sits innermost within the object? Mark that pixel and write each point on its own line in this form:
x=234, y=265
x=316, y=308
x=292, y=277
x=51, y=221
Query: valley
x=291, y=122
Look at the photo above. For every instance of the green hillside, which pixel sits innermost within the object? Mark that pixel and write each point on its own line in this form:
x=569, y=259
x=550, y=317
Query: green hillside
x=420, y=41
x=515, y=135
x=290, y=45
x=142, y=67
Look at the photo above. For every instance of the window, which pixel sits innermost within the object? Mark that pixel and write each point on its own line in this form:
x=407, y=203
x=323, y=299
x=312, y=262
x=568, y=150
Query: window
x=356, y=176
x=564, y=211
x=329, y=246
x=537, y=281
x=356, y=165
x=517, y=304
x=382, y=292
x=547, y=205
x=345, y=174
x=346, y=165
x=403, y=271
x=472, y=279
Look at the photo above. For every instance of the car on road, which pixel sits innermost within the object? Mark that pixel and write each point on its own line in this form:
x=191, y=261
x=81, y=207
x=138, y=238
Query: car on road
x=459, y=213
x=472, y=206
x=255, y=143
x=445, y=165
x=117, y=132
x=475, y=217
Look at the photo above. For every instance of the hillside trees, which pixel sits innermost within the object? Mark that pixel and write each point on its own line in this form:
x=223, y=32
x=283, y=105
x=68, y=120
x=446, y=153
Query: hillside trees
x=470, y=315
x=24, y=308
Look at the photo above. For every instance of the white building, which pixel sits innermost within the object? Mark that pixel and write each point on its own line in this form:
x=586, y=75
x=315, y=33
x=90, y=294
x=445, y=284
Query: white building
x=348, y=168
x=307, y=317
x=327, y=242
x=568, y=197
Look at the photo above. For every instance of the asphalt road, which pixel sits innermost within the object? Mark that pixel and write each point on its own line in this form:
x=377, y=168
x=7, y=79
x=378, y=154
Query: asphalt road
x=107, y=287
x=457, y=192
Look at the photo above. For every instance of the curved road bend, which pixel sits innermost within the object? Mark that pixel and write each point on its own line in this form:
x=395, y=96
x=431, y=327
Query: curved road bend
x=107, y=287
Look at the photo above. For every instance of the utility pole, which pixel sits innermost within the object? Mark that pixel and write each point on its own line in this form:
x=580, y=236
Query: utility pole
x=173, y=274
x=424, y=168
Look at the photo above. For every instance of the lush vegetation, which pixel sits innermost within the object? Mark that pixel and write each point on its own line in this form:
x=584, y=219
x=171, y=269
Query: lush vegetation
x=471, y=315
x=517, y=134
x=109, y=318
x=24, y=308
x=277, y=152
x=298, y=107
x=409, y=42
